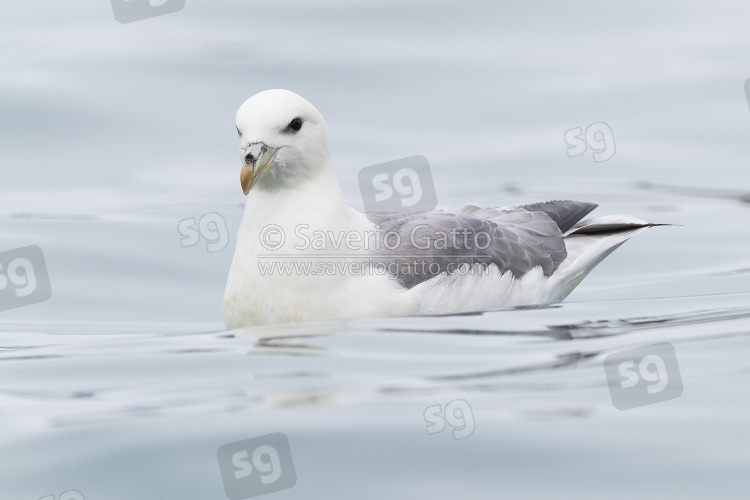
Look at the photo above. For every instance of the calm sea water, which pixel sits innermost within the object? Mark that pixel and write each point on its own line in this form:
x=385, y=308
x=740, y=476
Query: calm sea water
x=124, y=383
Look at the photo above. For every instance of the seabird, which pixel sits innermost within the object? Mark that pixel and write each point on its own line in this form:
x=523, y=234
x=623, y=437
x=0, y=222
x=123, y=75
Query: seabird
x=303, y=254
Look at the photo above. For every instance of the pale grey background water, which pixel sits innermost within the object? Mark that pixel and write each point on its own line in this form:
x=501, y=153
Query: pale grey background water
x=123, y=384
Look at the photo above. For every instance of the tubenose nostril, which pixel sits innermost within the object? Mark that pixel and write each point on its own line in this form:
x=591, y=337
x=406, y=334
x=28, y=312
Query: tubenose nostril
x=249, y=158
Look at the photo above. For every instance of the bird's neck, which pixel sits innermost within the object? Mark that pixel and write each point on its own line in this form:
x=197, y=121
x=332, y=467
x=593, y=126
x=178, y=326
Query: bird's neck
x=318, y=198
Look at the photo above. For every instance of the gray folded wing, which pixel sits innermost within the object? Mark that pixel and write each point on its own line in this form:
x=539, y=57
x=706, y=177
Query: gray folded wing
x=418, y=246
x=565, y=213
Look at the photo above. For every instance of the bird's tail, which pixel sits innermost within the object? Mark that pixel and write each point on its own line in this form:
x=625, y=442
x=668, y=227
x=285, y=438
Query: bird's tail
x=587, y=244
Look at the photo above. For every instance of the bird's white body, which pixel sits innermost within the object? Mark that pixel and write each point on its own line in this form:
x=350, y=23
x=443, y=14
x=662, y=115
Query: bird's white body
x=255, y=296
x=269, y=283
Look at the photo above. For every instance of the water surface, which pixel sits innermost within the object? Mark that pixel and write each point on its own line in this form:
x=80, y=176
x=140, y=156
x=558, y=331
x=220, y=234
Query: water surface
x=125, y=384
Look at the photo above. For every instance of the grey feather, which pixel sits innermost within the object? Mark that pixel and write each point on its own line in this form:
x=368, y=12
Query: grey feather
x=515, y=239
x=565, y=213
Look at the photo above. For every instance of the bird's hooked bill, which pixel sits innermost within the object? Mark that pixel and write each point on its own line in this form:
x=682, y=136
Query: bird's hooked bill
x=258, y=161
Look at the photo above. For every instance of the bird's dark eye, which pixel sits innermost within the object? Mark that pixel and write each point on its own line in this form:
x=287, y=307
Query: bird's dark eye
x=238, y=131
x=296, y=124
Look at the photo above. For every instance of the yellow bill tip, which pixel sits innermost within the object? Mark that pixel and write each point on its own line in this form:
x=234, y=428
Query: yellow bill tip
x=246, y=179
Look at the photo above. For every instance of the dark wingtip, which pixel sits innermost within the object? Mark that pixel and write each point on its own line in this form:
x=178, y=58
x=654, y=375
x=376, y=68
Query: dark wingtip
x=610, y=228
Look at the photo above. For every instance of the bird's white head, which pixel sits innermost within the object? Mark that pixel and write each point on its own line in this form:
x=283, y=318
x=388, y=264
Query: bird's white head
x=283, y=141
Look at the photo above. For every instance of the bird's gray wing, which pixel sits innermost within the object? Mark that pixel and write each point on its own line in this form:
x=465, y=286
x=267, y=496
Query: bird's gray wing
x=565, y=213
x=418, y=246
